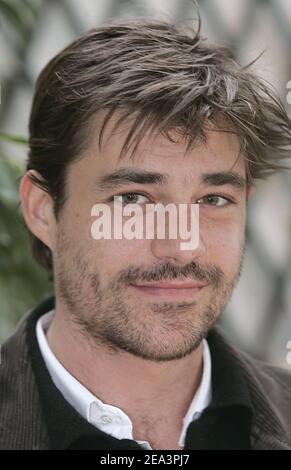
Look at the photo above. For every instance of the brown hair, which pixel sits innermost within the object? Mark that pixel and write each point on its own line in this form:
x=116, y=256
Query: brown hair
x=163, y=77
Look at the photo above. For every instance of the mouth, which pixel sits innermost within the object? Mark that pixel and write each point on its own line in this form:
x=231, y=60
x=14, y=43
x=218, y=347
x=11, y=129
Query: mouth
x=170, y=290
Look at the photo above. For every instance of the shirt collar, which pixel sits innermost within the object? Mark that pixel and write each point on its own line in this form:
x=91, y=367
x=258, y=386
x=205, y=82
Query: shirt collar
x=111, y=419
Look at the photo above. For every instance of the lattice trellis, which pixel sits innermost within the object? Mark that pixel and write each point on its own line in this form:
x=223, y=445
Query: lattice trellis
x=259, y=314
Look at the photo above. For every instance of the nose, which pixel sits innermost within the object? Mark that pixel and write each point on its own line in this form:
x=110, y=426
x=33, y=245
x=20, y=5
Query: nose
x=181, y=241
x=170, y=250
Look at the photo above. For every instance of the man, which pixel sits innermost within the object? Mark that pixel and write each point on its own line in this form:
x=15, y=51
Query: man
x=126, y=354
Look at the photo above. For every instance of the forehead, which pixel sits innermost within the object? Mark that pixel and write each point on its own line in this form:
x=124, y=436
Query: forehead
x=219, y=152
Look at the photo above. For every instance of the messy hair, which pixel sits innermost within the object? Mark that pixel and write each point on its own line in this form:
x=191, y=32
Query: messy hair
x=163, y=79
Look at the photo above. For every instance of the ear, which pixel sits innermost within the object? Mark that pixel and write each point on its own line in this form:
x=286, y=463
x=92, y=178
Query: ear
x=37, y=208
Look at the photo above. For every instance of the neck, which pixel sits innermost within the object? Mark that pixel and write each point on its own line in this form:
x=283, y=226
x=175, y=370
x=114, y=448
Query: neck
x=137, y=386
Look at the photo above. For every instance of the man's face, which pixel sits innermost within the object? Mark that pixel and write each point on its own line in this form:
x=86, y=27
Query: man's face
x=116, y=289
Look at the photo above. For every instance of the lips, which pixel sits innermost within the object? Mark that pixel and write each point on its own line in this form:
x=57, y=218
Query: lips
x=172, y=285
x=171, y=289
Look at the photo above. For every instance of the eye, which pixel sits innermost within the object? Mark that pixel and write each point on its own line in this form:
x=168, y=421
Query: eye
x=215, y=200
x=131, y=198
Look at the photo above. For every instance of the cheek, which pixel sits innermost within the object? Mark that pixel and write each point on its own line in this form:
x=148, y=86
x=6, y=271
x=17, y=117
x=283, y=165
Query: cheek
x=113, y=256
x=223, y=243
x=106, y=256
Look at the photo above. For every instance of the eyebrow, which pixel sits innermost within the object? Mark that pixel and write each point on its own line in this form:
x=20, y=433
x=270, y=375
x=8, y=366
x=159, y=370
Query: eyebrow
x=225, y=177
x=125, y=175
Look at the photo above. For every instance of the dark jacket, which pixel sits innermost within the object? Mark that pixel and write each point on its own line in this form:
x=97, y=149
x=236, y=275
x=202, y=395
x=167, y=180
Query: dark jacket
x=25, y=422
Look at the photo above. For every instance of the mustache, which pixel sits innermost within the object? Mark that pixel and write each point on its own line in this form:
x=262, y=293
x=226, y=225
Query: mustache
x=169, y=272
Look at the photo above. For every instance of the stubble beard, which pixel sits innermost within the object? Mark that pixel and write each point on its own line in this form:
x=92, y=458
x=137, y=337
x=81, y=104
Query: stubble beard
x=112, y=318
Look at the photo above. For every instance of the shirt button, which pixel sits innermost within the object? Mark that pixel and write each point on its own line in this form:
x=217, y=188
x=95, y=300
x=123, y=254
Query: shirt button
x=106, y=419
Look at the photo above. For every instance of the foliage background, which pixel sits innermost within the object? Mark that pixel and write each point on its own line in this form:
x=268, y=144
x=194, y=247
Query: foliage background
x=22, y=282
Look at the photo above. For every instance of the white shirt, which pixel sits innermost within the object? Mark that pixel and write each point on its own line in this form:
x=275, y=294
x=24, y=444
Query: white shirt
x=111, y=419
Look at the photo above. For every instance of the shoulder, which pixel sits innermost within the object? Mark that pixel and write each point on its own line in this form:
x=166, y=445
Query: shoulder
x=14, y=371
x=14, y=358
x=21, y=421
x=270, y=394
x=275, y=381
x=261, y=373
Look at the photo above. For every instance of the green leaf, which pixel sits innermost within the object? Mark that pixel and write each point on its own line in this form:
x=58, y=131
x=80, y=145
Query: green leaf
x=15, y=139
x=12, y=14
